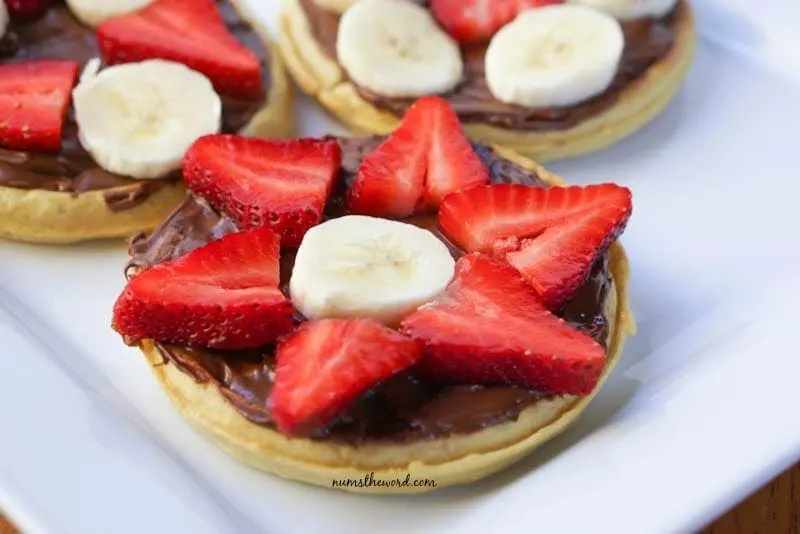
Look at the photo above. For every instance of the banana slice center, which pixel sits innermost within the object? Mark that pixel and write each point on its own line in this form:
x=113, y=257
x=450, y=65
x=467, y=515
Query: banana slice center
x=357, y=266
x=383, y=256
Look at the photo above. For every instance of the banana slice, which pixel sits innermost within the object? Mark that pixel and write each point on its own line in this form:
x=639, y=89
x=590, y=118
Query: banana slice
x=139, y=119
x=395, y=48
x=554, y=56
x=93, y=12
x=3, y=18
x=357, y=266
x=630, y=9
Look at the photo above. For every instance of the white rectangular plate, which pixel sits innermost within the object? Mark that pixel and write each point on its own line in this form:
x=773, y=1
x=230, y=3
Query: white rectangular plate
x=690, y=421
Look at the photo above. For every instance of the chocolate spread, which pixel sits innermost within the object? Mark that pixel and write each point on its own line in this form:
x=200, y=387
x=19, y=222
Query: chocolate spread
x=646, y=42
x=403, y=408
x=58, y=35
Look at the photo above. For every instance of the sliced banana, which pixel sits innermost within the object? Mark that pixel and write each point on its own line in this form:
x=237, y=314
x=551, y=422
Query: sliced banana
x=395, y=48
x=357, y=266
x=3, y=18
x=554, y=56
x=630, y=9
x=139, y=119
x=93, y=12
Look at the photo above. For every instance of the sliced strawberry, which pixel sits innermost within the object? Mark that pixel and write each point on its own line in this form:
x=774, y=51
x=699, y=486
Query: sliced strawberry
x=423, y=160
x=224, y=295
x=490, y=328
x=324, y=366
x=470, y=21
x=551, y=235
x=390, y=181
x=27, y=9
x=191, y=32
x=34, y=97
x=452, y=162
x=262, y=182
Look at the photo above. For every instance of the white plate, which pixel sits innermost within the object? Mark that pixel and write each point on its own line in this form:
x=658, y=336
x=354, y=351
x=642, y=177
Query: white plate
x=690, y=422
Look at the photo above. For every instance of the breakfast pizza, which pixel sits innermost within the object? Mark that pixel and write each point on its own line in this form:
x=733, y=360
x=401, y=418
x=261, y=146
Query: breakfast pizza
x=410, y=305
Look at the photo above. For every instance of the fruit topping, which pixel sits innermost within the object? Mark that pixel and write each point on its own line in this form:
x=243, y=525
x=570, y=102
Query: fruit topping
x=223, y=295
x=358, y=266
x=396, y=49
x=93, y=12
x=423, y=160
x=261, y=182
x=144, y=137
x=471, y=21
x=191, y=32
x=34, y=97
x=550, y=235
x=325, y=365
x=489, y=327
x=554, y=57
x=27, y=9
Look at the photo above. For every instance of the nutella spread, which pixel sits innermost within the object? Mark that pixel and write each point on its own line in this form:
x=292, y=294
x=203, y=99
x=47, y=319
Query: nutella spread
x=58, y=35
x=403, y=408
x=647, y=41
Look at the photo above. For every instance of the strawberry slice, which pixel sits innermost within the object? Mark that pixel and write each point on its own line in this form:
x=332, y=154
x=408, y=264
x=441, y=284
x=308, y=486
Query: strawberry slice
x=551, y=235
x=452, y=163
x=391, y=180
x=24, y=10
x=324, y=366
x=224, y=295
x=191, y=32
x=34, y=97
x=262, y=182
x=426, y=158
x=470, y=21
x=490, y=328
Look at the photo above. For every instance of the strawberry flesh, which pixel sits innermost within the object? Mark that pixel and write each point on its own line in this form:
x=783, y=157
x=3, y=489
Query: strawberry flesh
x=471, y=21
x=262, y=182
x=34, y=97
x=426, y=158
x=191, y=32
x=489, y=327
x=552, y=235
x=391, y=180
x=25, y=10
x=325, y=365
x=452, y=162
x=224, y=295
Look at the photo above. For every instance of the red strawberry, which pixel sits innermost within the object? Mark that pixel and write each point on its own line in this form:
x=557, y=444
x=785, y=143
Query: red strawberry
x=391, y=180
x=326, y=365
x=452, y=163
x=551, y=235
x=34, y=97
x=262, y=182
x=224, y=295
x=27, y=9
x=191, y=32
x=490, y=328
x=423, y=160
x=471, y=21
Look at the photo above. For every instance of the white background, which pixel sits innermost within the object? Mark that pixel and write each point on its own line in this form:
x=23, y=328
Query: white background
x=698, y=413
